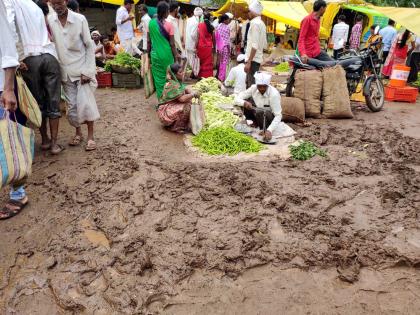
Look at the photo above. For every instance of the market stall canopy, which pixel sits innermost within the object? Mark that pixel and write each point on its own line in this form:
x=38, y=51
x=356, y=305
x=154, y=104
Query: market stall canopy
x=407, y=17
x=289, y=13
x=121, y=2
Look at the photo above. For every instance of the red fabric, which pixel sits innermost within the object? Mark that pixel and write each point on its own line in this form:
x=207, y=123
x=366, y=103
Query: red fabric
x=308, y=43
x=205, y=51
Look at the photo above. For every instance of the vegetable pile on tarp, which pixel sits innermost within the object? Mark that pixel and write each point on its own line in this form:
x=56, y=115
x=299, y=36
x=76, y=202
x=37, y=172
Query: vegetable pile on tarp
x=282, y=67
x=215, y=116
x=417, y=83
x=225, y=140
x=124, y=60
x=207, y=85
x=305, y=150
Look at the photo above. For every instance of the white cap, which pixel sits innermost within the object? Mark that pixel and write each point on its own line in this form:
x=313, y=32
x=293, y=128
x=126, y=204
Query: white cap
x=230, y=15
x=95, y=33
x=256, y=7
x=198, y=11
x=240, y=58
x=262, y=78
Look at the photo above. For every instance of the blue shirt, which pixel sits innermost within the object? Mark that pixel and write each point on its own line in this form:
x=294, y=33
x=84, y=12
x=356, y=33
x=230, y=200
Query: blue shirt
x=388, y=34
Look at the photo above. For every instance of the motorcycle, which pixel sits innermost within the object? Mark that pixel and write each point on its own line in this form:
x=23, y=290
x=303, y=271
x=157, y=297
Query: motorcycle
x=360, y=67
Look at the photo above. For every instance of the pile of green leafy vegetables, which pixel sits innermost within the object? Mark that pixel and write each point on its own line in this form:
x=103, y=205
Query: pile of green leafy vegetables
x=282, y=67
x=225, y=141
x=125, y=60
x=207, y=85
x=305, y=150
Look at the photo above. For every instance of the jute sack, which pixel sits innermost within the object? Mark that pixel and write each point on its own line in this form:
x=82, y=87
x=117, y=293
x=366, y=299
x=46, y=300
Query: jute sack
x=292, y=109
x=335, y=93
x=308, y=87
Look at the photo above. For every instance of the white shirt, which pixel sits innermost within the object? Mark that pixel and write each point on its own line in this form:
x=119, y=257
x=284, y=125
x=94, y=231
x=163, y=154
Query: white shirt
x=271, y=97
x=8, y=52
x=257, y=39
x=75, y=47
x=340, y=35
x=144, y=28
x=27, y=23
x=191, y=33
x=125, y=31
x=215, y=23
x=417, y=49
x=177, y=35
x=237, y=78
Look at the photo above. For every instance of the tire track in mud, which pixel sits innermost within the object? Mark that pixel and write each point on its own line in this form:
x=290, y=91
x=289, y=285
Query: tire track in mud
x=153, y=222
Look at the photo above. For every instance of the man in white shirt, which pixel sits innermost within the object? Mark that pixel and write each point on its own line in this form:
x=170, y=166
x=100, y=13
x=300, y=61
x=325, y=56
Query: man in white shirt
x=9, y=61
x=76, y=52
x=124, y=26
x=39, y=66
x=144, y=24
x=173, y=19
x=191, y=38
x=236, y=78
x=265, y=98
x=256, y=42
x=340, y=35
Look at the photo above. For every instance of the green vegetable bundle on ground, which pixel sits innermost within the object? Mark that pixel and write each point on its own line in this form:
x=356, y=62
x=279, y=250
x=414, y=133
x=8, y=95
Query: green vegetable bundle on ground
x=125, y=60
x=417, y=83
x=282, y=67
x=207, y=85
x=216, y=117
x=305, y=150
x=225, y=140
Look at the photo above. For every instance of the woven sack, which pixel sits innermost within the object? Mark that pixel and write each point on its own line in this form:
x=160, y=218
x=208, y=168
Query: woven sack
x=27, y=102
x=308, y=87
x=292, y=109
x=335, y=93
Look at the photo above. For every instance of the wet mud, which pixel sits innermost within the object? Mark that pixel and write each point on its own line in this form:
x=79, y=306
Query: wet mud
x=141, y=222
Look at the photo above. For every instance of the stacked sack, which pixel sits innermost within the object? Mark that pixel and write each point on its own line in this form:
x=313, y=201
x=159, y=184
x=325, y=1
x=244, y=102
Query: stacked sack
x=331, y=84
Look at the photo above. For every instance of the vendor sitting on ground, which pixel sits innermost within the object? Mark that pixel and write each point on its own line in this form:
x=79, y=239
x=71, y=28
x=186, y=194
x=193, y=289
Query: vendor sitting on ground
x=99, y=49
x=175, y=103
x=236, y=79
x=110, y=51
x=258, y=98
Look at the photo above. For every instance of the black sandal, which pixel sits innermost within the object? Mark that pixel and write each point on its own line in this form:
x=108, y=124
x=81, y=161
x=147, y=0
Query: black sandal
x=7, y=213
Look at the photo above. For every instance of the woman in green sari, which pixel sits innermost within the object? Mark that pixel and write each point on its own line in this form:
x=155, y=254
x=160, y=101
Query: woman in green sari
x=161, y=46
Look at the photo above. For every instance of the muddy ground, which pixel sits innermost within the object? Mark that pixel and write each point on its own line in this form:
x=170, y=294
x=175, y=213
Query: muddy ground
x=143, y=226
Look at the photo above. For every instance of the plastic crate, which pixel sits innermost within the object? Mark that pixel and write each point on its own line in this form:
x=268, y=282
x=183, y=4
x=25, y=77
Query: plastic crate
x=128, y=81
x=401, y=94
x=104, y=79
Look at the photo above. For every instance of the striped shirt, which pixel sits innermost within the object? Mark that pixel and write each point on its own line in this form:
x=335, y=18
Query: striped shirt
x=356, y=34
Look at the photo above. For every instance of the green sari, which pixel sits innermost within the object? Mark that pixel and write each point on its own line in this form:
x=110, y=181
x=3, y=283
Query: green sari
x=161, y=56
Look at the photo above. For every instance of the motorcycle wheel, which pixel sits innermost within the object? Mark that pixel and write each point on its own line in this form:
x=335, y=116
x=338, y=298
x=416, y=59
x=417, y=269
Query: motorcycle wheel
x=289, y=87
x=374, y=94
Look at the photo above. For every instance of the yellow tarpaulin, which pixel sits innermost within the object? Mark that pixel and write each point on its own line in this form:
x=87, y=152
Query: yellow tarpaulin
x=289, y=13
x=407, y=17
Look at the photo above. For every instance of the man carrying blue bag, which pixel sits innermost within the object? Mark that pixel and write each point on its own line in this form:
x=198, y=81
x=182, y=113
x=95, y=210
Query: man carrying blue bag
x=8, y=105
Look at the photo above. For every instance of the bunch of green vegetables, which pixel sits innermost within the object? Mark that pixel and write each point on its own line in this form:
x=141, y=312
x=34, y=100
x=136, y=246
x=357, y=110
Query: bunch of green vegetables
x=207, y=85
x=215, y=116
x=305, y=150
x=125, y=60
x=282, y=67
x=225, y=141
x=417, y=83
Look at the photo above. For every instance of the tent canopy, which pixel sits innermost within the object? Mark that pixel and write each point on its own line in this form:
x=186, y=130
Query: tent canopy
x=289, y=13
x=121, y=2
x=407, y=17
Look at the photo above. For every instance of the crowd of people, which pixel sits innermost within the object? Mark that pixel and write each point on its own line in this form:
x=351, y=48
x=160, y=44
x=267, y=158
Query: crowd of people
x=57, y=55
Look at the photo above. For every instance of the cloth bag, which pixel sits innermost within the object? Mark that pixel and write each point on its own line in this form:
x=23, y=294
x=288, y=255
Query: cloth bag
x=27, y=102
x=146, y=73
x=197, y=118
x=87, y=110
x=292, y=109
x=16, y=151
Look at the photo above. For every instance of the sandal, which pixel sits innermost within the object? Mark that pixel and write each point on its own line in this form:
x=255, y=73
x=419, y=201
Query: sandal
x=59, y=148
x=76, y=141
x=17, y=207
x=91, y=145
